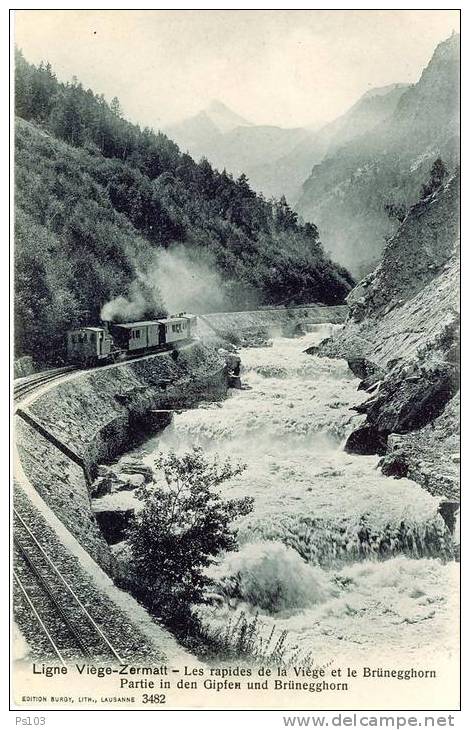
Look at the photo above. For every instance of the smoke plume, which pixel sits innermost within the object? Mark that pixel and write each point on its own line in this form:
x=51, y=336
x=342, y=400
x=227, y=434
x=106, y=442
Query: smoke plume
x=143, y=301
x=189, y=282
x=174, y=280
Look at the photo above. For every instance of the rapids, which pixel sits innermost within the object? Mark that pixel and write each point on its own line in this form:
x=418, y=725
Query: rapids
x=335, y=553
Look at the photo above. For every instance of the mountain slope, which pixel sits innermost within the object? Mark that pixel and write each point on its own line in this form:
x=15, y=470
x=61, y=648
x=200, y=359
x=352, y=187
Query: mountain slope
x=346, y=193
x=230, y=142
x=285, y=176
x=245, y=150
x=106, y=210
x=276, y=160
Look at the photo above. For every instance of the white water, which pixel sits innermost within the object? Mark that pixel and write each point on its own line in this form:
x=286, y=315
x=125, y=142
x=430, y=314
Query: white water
x=334, y=552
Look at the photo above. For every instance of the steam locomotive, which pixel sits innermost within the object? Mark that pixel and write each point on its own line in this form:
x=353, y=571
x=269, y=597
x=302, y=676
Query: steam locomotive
x=91, y=346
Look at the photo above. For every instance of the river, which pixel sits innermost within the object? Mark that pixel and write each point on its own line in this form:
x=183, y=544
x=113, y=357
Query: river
x=341, y=557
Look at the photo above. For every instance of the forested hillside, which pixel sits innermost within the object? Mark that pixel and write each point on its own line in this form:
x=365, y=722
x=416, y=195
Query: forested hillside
x=98, y=200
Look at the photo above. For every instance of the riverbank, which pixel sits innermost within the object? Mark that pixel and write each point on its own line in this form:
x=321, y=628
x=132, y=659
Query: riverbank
x=402, y=339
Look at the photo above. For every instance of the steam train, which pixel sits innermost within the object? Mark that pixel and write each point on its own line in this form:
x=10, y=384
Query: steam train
x=91, y=346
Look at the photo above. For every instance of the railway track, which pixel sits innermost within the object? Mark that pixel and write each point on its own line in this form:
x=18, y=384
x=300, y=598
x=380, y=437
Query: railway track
x=68, y=630
x=24, y=386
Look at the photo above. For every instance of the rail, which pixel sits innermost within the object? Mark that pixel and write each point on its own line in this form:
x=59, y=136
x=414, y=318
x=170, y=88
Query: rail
x=67, y=624
x=24, y=386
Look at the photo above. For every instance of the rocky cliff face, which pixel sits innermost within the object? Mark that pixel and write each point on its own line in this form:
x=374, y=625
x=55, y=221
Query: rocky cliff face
x=402, y=338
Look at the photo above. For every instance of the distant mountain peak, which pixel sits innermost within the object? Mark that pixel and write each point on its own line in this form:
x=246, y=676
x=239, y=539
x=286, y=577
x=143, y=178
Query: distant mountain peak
x=223, y=117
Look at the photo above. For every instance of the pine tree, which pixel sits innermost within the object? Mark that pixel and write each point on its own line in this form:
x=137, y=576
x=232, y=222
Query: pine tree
x=285, y=217
x=436, y=177
x=115, y=107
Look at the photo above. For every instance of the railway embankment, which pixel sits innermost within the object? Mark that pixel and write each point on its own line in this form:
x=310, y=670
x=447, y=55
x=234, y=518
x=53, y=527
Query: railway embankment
x=92, y=416
x=86, y=595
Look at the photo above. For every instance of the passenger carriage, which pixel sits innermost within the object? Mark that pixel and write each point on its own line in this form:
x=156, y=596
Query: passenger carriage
x=135, y=336
x=175, y=328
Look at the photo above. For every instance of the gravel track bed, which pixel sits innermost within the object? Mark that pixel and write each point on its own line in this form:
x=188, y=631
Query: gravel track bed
x=39, y=644
x=67, y=623
x=131, y=644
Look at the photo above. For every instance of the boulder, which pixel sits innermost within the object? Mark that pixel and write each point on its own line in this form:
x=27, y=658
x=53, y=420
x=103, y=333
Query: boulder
x=233, y=363
x=364, y=368
x=138, y=469
x=448, y=510
x=101, y=486
x=366, y=440
x=103, y=471
x=131, y=481
x=406, y=405
x=234, y=382
x=395, y=465
x=123, y=569
x=312, y=350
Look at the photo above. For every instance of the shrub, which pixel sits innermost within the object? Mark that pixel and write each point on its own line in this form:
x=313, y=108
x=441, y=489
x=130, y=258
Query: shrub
x=183, y=525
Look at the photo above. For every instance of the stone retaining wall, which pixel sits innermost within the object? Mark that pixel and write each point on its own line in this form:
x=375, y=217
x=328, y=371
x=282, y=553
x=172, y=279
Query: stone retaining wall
x=96, y=414
x=236, y=326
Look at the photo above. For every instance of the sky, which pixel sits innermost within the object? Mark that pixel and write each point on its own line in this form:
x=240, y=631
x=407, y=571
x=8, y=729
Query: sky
x=287, y=68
